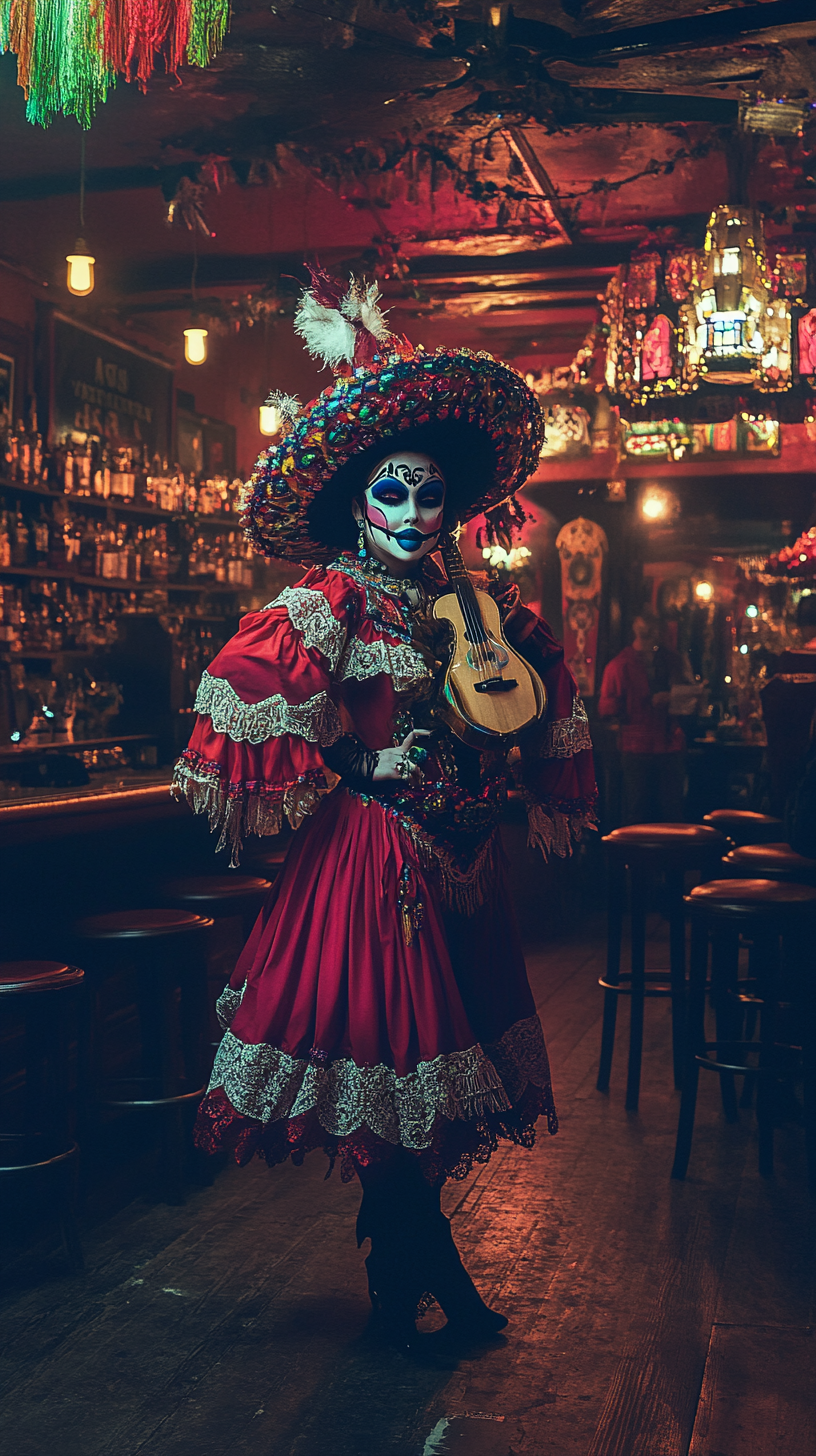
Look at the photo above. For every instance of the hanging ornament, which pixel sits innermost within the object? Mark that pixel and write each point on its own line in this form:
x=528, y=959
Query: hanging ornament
x=69, y=52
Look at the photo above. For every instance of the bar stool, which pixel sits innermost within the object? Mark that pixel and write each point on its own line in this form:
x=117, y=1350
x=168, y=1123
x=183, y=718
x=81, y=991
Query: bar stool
x=769, y=911
x=218, y=896
x=266, y=862
x=42, y=1150
x=771, y=862
x=165, y=950
x=743, y=826
x=645, y=850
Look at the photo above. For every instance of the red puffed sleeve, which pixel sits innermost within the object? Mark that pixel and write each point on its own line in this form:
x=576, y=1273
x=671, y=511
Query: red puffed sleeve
x=555, y=768
x=266, y=706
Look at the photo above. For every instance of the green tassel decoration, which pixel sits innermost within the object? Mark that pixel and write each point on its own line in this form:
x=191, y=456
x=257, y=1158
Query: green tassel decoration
x=69, y=52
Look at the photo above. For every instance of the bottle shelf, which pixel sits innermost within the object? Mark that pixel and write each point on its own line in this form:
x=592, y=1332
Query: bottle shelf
x=118, y=503
x=116, y=583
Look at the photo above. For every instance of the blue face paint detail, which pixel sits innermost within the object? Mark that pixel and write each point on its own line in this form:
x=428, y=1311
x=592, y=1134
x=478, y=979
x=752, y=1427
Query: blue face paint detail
x=390, y=492
x=410, y=540
x=431, y=495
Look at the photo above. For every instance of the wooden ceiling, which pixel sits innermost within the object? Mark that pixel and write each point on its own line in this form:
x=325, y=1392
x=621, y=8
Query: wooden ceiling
x=493, y=162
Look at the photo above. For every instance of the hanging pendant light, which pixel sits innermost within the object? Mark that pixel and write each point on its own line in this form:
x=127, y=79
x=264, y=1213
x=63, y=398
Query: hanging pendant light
x=195, y=337
x=195, y=345
x=269, y=419
x=80, y=279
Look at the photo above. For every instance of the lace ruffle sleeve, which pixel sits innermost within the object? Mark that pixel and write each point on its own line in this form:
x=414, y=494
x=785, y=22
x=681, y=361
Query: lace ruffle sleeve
x=266, y=710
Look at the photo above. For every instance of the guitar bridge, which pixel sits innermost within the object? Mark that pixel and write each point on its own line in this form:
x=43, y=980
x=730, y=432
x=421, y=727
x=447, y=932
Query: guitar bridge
x=496, y=685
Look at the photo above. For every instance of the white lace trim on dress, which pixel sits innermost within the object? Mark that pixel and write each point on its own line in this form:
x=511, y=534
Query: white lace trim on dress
x=267, y=1084
x=316, y=720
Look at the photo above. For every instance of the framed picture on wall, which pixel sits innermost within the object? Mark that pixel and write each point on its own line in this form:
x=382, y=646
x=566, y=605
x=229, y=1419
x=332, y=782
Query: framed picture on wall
x=219, y=448
x=103, y=387
x=6, y=391
x=189, y=442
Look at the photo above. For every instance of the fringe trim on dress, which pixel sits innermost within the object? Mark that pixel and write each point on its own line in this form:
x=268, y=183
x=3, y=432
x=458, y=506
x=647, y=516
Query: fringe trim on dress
x=243, y=808
x=556, y=831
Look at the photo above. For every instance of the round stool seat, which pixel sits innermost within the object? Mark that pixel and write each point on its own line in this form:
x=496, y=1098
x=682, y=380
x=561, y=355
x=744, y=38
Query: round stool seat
x=217, y=895
x=740, y=897
x=744, y=826
x=139, y=925
x=23, y=977
x=266, y=862
x=682, y=843
x=772, y=861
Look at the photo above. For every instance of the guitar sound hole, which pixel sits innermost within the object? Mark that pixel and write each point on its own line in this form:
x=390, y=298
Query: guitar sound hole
x=490, y=654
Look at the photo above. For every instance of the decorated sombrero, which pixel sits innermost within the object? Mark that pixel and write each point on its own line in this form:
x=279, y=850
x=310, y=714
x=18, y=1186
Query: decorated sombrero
x=474, y=415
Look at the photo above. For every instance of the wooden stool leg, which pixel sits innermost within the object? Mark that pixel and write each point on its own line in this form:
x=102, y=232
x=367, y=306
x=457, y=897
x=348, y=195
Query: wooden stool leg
x=677, y=962
x=809, y=1074
x=638, y=983
x=769, y=949
x=616, y=884
x=724, y=971
x=693, y=1040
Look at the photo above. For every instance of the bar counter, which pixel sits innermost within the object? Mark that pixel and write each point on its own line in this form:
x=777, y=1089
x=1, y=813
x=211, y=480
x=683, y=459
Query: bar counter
x=76, y=851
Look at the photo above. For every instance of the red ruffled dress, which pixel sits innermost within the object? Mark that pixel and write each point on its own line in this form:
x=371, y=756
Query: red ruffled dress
x=381, y=999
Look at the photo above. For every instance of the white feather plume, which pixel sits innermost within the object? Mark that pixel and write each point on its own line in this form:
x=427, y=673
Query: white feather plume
x=327, y=334
x=287, y=406
x=361, y=304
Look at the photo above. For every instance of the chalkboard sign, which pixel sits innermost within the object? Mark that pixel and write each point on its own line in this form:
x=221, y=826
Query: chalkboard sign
x=101, y=386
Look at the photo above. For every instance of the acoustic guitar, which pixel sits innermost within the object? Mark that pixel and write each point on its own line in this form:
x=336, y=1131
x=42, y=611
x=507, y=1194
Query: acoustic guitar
x=492, y=691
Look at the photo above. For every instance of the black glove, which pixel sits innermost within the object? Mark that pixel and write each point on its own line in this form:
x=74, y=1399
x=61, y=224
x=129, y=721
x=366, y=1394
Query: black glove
x=350, y=758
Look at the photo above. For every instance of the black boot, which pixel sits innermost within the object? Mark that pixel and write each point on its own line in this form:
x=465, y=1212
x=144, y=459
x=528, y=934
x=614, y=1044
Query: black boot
x=470, y=1320
x=395, y=1269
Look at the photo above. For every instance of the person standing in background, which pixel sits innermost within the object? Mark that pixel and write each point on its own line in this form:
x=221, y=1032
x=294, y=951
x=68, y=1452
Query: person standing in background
x=636, y=689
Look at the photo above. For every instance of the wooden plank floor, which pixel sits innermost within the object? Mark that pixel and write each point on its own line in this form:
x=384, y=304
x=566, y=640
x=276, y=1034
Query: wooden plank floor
x=235, y=1324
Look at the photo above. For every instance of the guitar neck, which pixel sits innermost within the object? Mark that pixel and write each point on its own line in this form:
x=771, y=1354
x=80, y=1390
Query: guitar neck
x=463, y=586
x=454, y=565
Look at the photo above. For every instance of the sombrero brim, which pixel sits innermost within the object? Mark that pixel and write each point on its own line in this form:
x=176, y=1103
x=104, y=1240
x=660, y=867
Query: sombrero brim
x=475, y=394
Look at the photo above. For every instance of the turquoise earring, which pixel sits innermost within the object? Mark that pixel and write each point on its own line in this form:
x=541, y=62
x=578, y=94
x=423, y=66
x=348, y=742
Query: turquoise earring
x=361, y=542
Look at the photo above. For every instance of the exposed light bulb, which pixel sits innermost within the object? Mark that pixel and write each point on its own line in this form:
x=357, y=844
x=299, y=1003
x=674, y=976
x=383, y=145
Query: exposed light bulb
x=80, y=280
x=195, y=345
x=269, y=419
x=704, y=591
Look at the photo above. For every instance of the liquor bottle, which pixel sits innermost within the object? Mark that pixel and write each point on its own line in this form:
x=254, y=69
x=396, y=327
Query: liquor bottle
x=35, y=442
x=220, y=560
x=40, y=535
x=19, y=547
x=11, y=453
x=57, y=547
x=69, y=480
x=5, y=539
x=87, y=564
x=84, y=457
x=23, y=454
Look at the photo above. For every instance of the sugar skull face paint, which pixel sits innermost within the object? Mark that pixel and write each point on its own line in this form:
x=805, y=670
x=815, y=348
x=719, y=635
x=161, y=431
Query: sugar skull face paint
x=403, y=507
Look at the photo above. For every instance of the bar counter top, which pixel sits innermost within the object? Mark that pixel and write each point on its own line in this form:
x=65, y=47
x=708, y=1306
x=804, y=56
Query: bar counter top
x=54, y=813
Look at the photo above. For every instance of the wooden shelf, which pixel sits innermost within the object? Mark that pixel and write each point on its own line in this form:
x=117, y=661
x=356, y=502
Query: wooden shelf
x=133, y=508
x=116, y=583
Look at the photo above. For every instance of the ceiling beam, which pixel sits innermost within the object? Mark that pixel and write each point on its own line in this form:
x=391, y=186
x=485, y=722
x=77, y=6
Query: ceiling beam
x=773, y=21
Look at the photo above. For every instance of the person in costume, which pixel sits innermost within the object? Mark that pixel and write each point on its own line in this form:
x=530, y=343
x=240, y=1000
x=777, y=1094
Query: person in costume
x=380, y=1009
